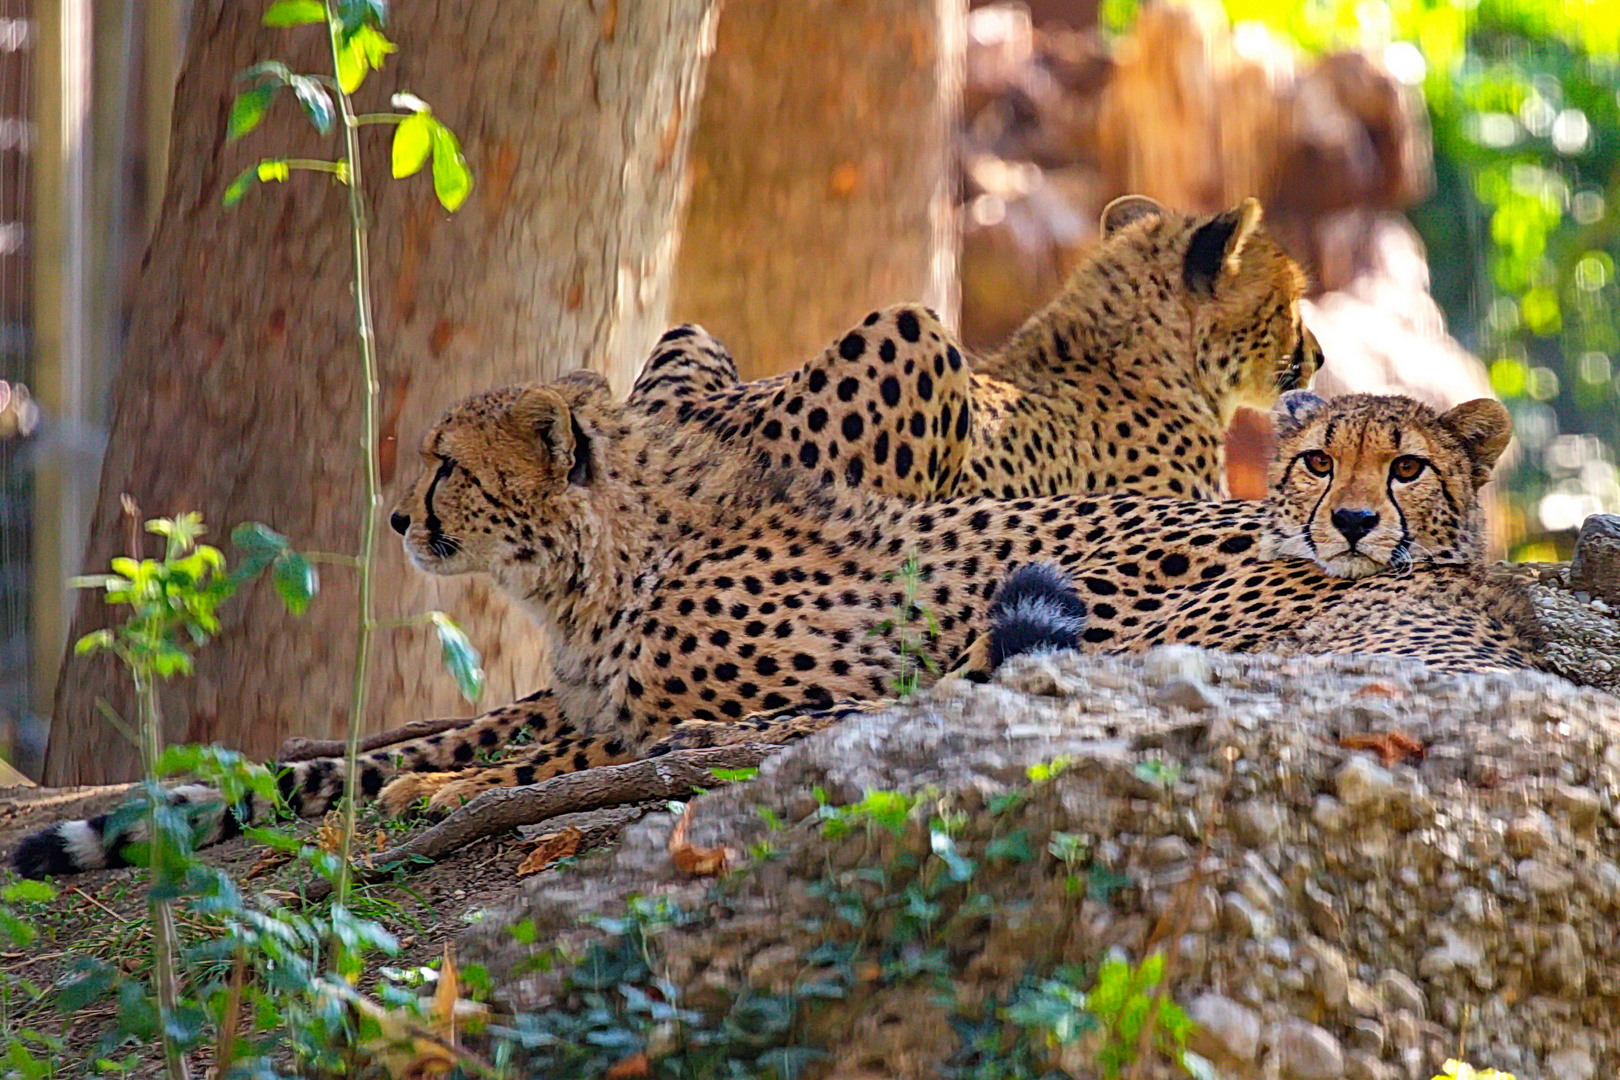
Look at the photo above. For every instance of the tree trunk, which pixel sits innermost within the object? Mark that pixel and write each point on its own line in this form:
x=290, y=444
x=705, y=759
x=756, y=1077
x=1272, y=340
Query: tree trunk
x=239, y=396
x=822, y=173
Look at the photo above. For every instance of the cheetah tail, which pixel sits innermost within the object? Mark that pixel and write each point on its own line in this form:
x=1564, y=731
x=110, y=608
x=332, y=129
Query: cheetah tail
x=106, y=841
x=1037, y=610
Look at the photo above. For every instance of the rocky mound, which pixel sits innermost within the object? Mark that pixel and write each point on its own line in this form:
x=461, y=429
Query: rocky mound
x=1352, y=868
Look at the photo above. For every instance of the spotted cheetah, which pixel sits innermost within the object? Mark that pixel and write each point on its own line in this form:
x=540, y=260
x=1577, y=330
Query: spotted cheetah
x=684, y=588
x=1127, y=380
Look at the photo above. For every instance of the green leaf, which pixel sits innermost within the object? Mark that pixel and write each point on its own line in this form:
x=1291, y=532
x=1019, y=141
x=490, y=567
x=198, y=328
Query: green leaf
x=351, y=66
x=28, y=892
x=413, y=141
x=459, y=656
x=248, y=109
x=1014, y=846
x=315, y=100
x=735, y=776
x=94, y=641
x=272, y=169
x=284, y=13
x=362, y=51
x=239, y=187
x=452, y=181
x=295, y=580
x=274, y=69
x=254, y=536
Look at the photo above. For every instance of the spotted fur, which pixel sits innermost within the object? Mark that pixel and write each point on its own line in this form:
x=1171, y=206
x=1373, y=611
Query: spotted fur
x=692, y=597
x=1126, y=381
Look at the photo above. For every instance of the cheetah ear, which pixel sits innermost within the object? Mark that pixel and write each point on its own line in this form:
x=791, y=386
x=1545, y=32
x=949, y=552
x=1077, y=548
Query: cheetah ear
x=542, y=416
x=1294, y=408
x=1216, y=248
x=1484, y=427
x=1126, y=209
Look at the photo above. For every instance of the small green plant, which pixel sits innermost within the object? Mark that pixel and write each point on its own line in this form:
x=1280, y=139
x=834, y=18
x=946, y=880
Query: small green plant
x=883, y=809
x=1127, y=1002
x=358, y=46
x=619, y=1012
x=173, y=607
x=1461, y=1070
x=1162, y=774
x=910, y=640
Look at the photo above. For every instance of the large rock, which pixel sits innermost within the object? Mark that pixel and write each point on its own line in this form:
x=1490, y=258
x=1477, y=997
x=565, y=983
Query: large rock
x=1367, y=937
x=1595, y=570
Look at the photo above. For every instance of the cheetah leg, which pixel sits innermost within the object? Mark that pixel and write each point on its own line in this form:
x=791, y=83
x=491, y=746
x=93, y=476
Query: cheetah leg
x=312, y=787
x=445, y=791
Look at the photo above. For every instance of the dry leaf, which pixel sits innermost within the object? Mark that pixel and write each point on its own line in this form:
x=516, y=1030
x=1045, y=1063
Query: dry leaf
x=406, y=1050
x=696, y=861
x=268, y=860
x=1392, y=747
x=548, y=849
x=1380, y=689
x=329, y=837
x=631, y=1068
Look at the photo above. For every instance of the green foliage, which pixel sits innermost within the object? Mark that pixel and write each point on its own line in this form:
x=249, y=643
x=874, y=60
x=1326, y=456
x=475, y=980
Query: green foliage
x=173, y=601
x=359, y=47
x=1461, y=1070
x=883, y=809
x=615, y=1005
x=1162, y=774
x=1127, y=1000
x=910, y=640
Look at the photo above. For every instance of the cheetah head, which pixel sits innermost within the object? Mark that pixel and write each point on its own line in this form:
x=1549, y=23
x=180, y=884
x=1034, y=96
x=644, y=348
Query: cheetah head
x=1239, y=290
x=1364, y=483
x=508, y=479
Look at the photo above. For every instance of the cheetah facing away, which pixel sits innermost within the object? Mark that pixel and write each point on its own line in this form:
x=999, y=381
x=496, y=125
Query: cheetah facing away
x=1127, y=380
x=684, y=592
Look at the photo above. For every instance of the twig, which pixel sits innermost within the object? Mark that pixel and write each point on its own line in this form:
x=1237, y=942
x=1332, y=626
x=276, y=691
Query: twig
x=86, y=896
x=673, y=776
x=301, y=748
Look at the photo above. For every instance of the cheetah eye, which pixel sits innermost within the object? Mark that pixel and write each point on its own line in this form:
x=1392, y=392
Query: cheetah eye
x=1317, y=462
x=1407, y=468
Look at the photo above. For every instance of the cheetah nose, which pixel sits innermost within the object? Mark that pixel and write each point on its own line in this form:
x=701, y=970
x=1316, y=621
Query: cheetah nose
x=1354, y=524
x=399, y=521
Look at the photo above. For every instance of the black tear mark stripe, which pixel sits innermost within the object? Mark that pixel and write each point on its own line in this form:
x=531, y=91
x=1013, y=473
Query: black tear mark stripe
x=431, y=521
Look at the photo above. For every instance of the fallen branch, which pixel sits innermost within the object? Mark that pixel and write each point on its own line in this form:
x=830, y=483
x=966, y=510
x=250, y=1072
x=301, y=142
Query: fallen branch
x=672, y=776
x=301, y=748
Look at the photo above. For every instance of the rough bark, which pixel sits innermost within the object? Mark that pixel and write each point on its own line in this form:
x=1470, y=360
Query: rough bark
x=821, y=173
x=239, y=396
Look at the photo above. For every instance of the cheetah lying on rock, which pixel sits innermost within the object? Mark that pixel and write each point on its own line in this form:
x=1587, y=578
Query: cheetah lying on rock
x=685, y=589
x=1127, y=380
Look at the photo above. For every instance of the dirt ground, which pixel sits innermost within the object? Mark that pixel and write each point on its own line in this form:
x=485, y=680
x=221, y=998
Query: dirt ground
x=104, y=912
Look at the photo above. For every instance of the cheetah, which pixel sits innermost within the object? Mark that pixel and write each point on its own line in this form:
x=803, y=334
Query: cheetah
x=1127, y=380
x=691, y=596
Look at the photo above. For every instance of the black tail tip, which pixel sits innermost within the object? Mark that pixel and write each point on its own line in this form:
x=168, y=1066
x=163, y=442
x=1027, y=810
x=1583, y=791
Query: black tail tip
x=1036, y=610
x=43, y=854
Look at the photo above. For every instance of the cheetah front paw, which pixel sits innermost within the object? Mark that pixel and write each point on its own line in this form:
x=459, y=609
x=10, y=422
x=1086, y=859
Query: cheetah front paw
x=458, y=793
x=402, y=795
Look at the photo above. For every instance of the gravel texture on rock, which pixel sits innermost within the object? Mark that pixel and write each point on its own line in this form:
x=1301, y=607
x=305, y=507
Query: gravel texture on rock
x=1355, y=867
